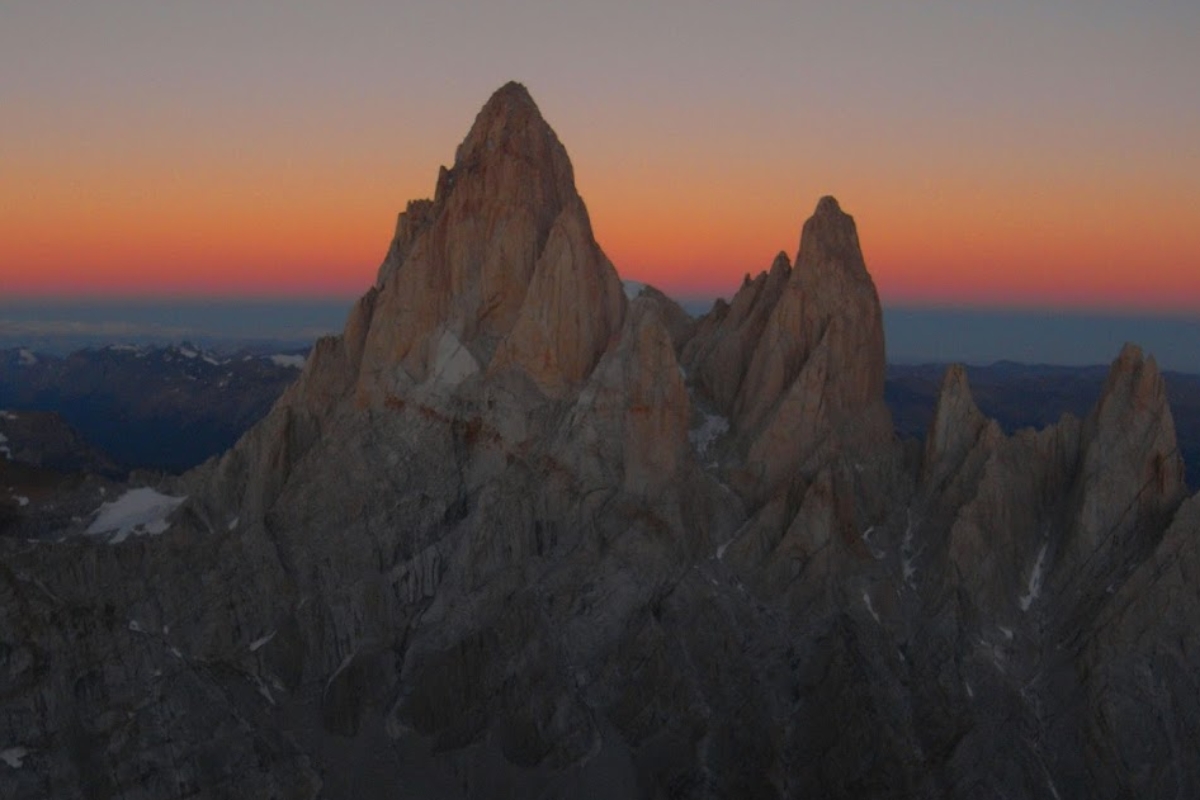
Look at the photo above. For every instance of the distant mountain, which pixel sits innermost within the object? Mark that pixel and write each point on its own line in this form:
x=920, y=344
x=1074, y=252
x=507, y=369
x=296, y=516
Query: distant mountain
x=1034, y=396
x=45, y=440
x=61, y=327
x=166, y=408
x=49, y=476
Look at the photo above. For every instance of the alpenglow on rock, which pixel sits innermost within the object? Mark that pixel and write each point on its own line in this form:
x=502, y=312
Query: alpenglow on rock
x=502, y=260
x=514, y=534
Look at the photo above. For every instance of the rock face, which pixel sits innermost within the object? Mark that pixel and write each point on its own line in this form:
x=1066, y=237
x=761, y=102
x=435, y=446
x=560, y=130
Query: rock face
x=829, y=301
x=500, y=262
x=1131, y=476
x=797, y=360
x=720, y=352
x=1036, y=395
x=515, y=535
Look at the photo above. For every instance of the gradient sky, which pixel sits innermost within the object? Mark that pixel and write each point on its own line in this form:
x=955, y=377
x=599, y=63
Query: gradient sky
x=1032, y=154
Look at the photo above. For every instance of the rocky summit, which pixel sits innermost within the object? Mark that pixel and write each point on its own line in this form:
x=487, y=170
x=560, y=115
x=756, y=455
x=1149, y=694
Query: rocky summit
x=515, y=535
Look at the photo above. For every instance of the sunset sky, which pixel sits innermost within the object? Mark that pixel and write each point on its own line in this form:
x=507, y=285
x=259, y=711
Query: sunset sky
x=1014, y=154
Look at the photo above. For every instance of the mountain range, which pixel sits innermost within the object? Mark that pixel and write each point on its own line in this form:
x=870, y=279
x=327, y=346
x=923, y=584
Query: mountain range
x=159, y=408
x=1033, y=396
x=514, y=534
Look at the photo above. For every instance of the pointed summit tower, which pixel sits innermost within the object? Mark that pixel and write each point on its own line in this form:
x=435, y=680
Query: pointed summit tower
x=499, y=271
x=815, y=379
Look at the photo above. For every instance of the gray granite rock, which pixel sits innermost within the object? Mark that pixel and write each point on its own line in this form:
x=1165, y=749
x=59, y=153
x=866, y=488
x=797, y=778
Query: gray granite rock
x=503, y=545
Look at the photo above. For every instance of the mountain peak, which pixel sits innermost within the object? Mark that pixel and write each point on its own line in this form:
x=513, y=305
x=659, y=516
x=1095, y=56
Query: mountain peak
x=1130, y=358
x=1134, y=378
x=510, y=123
x=957, y=422
x=781, y=264
x=502, y=263
x=512, y=102
x=830, y=237
x=828, y=205
x=512, y=92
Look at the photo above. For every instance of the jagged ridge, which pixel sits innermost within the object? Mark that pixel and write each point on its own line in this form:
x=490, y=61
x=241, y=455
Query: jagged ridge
x=479, y=547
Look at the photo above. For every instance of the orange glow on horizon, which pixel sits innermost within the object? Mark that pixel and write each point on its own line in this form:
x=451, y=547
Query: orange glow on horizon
x=1001, y=156
x=259, y=225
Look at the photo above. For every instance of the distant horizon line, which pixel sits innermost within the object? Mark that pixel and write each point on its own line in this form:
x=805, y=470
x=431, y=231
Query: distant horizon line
x=938, y=305
x=935, y=333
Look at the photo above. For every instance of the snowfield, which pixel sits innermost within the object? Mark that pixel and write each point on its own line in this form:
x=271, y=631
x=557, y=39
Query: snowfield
x=14, y=756
x=1035, y=579
x=288, y=361
x=632, y=288
x=707, y=432
x=138, y=512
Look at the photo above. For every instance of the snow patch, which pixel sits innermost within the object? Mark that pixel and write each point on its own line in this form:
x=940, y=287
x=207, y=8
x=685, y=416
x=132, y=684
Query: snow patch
x=263, y=689
x=1035, y=579
x=233, y=523
x=187, y=352
x=341, y=668
x=258, y=643
x=8, y=415
x=137, y=512
x=21, y=501
x=713, y=427
x=14, y=756
x=721, y=551
x=294, y=361
x=995, y=654
x=135, y=626
x=866, y=596
x=26, y=357
x=879, y=555
x=452, y=363
x=4, y=450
